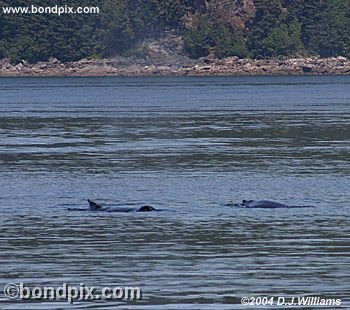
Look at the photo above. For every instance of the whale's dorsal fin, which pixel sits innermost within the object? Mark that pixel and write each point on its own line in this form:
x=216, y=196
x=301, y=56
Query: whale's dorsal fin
x=94, y=205
x=246, y=202
x=146, y=209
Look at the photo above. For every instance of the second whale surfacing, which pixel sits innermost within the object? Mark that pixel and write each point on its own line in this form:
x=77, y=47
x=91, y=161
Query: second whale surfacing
x=93, y=206
x=267, y=204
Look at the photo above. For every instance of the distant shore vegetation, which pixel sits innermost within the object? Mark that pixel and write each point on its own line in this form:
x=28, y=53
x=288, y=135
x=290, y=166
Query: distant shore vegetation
x=275, y=28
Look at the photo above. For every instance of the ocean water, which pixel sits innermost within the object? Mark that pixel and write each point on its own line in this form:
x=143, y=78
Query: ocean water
x=189, y=146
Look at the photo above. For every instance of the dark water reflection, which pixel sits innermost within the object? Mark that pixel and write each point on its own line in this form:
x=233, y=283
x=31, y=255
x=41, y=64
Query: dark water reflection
x=187, y=145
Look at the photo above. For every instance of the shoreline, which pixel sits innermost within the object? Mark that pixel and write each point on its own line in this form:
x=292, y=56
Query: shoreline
x=202, y=67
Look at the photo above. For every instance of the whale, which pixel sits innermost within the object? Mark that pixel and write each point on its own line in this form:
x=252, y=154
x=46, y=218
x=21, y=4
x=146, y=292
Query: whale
x=267, y=204
x=93, y=206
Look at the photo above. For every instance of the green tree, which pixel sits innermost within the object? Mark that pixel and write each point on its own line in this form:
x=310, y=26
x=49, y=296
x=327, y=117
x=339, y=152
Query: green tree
x=227, y=41
x=322, y=21
x=341, y=23
x=269, y=15
x=283, y=40
x=197, y=38
x=206, y=35
x=36, y=37
x=115, y=32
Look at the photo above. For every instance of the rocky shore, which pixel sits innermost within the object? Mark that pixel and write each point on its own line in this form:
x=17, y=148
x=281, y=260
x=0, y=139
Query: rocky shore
x=131, y=66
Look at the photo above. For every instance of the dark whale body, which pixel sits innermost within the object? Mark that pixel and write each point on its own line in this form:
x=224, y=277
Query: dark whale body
x=93, y=206
x=267, y=204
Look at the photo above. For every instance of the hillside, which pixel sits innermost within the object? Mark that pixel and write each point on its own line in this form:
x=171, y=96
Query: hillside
x=256, y=29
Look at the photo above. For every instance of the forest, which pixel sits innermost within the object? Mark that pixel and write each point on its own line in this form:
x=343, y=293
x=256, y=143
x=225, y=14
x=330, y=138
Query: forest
x=244, y=28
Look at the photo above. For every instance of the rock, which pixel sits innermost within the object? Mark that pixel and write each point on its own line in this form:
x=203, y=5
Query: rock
x=178, y=66
x=341, y=59
x=234, y=12
x=307, y=69
x=53, y=60
x=19, y=66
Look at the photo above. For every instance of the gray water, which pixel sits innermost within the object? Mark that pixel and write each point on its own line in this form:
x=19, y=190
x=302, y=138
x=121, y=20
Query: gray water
x=190, y=146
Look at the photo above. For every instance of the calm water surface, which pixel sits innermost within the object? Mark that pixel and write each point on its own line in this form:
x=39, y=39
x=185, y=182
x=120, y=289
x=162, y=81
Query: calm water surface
x=190, y=146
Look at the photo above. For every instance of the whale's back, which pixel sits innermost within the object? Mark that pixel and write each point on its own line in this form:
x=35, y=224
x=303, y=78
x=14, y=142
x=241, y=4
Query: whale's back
x=265, y=204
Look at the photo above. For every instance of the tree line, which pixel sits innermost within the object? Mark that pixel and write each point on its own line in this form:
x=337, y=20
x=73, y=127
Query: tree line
x=278, y=28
